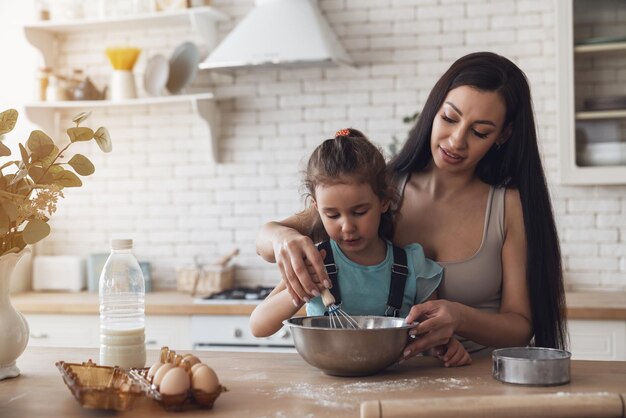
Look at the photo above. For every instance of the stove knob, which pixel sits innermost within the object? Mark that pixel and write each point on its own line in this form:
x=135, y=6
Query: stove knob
x=237, y=333
x=284, y=334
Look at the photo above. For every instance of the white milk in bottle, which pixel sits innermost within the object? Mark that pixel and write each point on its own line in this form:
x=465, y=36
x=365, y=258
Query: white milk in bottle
x=122, y=294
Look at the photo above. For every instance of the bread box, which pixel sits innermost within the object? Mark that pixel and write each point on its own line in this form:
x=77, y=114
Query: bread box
x=203, y=280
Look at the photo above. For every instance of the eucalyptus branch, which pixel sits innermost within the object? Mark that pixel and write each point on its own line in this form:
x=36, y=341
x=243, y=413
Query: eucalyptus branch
x=52, y=163
x=29, y=196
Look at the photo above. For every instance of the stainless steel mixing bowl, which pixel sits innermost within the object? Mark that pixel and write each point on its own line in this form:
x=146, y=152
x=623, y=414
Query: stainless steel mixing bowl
x=350, y=352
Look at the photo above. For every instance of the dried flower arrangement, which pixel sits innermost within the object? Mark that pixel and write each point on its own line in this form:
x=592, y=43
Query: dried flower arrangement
x=29, y=194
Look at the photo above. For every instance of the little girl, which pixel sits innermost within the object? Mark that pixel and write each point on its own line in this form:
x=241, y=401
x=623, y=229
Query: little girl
x=349, y=185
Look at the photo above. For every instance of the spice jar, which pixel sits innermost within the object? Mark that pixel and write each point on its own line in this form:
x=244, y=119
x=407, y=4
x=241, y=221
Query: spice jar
x=42, y=10
x=55, y=91
x=42, y=77
x=74, y=81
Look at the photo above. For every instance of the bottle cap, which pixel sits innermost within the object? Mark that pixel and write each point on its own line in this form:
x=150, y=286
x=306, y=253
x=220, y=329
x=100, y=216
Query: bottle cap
x=121, y=244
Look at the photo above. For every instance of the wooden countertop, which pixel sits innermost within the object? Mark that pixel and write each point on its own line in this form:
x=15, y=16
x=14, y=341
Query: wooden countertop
x=283, y=385
x=157, y=303
x=596, y=305
x=580, y=305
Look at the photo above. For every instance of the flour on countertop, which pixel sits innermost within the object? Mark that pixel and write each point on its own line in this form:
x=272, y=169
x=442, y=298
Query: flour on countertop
x=254, y=376
x=563, y=394
x=281, y=414
x=335, y=394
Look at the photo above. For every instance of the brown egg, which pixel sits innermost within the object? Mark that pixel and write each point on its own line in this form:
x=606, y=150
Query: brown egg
x=191, y=359
x=205, y=379
x=160, y=373
x=154, y=369
x=175, y=382
x=197, y=366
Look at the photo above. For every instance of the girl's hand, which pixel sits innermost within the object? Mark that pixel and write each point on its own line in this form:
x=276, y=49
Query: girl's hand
x=301, y=266
x=454, y=354
x=438, y=321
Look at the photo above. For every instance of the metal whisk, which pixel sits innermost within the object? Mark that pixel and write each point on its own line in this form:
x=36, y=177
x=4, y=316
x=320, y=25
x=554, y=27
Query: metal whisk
x=338, y=318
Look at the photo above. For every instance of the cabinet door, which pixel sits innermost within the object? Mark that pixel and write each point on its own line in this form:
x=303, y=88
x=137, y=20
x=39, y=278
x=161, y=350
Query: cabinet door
x=597, y=340
x=592, y=107
x=173, y=331
x=63, y=330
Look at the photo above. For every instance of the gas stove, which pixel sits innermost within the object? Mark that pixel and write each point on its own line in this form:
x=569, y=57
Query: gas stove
x=237, y=295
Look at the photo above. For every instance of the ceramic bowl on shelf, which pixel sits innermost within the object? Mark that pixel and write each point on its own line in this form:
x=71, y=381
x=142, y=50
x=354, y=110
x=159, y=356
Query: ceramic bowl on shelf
x=603, y=154
x=601, y=40
x=156, y=75
x=183, y=67
x=605, y=103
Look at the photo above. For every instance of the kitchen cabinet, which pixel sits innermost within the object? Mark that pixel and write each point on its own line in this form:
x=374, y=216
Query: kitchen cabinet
x=46, y=37
x=597, y=340
x=591, y=50
x=63, y=330
x=172, y=331
x=84, y=331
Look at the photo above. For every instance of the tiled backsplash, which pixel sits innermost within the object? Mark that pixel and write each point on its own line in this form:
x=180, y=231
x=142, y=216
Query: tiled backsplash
x=160, y=187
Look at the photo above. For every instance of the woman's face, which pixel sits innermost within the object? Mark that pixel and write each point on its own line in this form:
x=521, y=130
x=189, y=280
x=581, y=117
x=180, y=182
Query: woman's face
x=469, y=122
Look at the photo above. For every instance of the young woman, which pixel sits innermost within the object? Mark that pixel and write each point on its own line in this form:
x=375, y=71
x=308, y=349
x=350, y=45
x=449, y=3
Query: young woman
x=350, y=189
x=474, y=196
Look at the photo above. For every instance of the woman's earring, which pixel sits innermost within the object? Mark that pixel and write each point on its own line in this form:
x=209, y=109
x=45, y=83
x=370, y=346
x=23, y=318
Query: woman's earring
x=498, y=145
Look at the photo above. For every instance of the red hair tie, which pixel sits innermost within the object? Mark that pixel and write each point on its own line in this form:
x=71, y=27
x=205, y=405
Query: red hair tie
x=342, y=132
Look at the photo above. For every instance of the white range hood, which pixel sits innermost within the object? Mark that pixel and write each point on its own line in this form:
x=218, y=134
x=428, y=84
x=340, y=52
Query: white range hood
x=279, y=33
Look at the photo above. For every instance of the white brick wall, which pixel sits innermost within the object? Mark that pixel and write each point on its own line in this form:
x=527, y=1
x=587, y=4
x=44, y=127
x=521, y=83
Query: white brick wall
x=159, y=187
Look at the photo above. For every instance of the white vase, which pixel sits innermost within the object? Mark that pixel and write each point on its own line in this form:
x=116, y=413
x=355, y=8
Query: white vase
x=13, y=326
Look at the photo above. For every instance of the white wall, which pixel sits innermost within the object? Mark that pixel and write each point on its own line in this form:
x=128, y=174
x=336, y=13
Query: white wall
x=159, y=187
x=17, y=65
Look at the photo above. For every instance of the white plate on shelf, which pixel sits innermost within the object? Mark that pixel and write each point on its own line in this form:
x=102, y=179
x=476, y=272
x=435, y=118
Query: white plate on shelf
x=156, y=75
x=183, y=66
x=603, y=153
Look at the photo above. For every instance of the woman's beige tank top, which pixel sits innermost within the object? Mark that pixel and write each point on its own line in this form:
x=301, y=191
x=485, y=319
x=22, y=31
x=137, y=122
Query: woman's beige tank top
x=477, y=280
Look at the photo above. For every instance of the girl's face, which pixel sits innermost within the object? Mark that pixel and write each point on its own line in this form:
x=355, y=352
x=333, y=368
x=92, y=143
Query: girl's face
x=469, y=122
x=351, y=213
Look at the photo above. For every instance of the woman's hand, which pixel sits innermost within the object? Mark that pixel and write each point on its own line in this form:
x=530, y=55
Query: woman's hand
x=301, y=265
x=438, y=321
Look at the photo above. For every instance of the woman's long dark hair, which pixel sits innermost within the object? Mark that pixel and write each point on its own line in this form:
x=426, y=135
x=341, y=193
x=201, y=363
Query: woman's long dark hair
x=515, y=164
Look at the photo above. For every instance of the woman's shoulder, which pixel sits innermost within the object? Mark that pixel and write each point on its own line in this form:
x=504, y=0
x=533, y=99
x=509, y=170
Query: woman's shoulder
x=513, y=212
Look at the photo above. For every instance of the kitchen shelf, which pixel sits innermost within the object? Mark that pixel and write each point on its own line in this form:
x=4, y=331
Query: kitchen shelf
x=129, y=102
x=46, y=36
x=202, y=103
x=568, y=116
x=201, y=19
x=603, y=47
x=601, y=114
x=182, y=16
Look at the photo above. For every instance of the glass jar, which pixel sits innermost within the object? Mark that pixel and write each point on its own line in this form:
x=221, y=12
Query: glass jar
x=41, y=83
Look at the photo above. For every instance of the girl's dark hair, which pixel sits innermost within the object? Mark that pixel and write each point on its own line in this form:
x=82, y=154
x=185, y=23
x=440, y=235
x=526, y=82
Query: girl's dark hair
x=515, y=164
x=350, y=156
